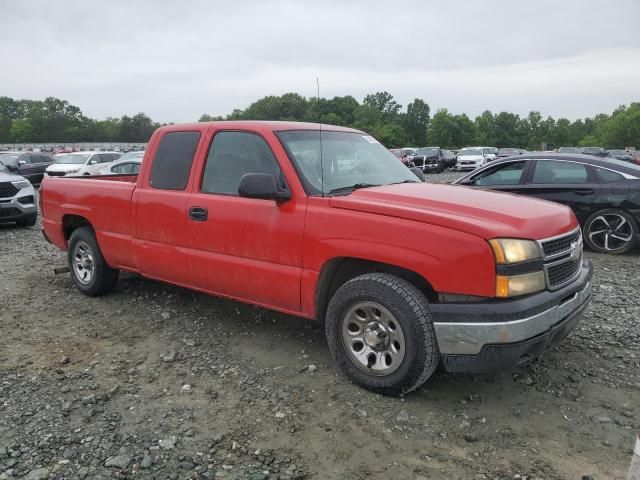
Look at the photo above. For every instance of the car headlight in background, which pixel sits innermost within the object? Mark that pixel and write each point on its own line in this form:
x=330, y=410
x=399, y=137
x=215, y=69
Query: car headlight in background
x=514, y=250
x=21, y=184
x=511, y=251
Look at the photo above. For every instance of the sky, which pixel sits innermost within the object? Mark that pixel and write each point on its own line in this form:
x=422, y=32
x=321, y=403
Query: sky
x=175, y=60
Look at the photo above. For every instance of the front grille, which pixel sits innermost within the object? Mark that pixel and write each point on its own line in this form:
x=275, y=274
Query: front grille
x=9, y=212
x=562, y=259
x=559, y=245
x=562, y=273
x=7, y=190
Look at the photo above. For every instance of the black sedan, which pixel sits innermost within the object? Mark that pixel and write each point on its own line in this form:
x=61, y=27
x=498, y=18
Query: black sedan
x=30, y=165
x=604, y=194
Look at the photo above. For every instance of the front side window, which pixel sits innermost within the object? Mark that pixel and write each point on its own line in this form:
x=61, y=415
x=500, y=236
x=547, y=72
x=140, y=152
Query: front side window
x=346, y=159
x=509, y=174
x=172, y=164
x=555, y=172
x=232, y=155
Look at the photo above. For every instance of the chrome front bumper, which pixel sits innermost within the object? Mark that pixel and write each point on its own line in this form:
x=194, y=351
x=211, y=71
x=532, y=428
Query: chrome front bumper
x=538, y=314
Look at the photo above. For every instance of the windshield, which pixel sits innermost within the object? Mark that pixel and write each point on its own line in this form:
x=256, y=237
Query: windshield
x=397, y=153
x=491, y=150
x=568, y=150
x=72, y=159
x=427, y=152
x=9, y=158
x=593, y=149
x=348, y=158
x=465, y=152
x=132, y=156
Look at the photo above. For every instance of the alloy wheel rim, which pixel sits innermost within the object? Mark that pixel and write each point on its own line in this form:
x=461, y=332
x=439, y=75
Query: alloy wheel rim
x=373, y=338
x=83, y=263
x=610, y=232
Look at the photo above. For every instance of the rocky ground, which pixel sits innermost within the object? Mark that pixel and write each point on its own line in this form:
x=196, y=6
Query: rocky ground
x=158, y=382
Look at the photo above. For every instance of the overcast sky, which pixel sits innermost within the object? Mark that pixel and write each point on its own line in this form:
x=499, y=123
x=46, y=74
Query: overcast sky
x=175, y=60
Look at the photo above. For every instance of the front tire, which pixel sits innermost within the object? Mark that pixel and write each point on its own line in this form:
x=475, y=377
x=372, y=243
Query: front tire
x=380, y=332
x=610, y=231
x=89, y=271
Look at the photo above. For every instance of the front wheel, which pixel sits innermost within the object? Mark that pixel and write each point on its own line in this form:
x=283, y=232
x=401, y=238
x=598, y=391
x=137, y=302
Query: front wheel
x=610, y=231
x=89, y=271
x=380, y=332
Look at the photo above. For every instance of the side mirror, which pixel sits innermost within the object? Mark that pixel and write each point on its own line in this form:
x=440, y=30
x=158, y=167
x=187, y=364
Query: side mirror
x=21, y=162
x=93, y=162
x=263, y=186
x=468, y=181
x=418, y=173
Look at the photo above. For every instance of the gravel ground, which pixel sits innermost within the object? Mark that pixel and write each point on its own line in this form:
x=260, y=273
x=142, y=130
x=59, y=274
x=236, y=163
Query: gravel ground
x=158, y=382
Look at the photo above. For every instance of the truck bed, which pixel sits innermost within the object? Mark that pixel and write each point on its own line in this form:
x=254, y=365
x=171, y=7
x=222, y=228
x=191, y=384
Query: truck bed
x=105, y=201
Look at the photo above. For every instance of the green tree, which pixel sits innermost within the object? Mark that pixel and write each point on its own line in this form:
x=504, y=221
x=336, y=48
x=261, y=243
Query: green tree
x=384, y=103
x=21, y=131
x=416, y=122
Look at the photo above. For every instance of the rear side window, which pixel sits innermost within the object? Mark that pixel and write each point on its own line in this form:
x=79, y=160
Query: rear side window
x=172, y=163
x=608, y=176
x=232, y=155
x=557, y=172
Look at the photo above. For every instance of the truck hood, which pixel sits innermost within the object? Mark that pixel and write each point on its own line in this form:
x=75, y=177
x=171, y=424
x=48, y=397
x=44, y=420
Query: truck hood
x=483, y=213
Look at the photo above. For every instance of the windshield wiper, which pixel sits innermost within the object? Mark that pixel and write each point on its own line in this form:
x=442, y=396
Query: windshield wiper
x=405, y=181
x=355, y=186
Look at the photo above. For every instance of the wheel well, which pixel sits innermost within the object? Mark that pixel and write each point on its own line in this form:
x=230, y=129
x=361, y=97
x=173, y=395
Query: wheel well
x=338, y=271
x=71, y=223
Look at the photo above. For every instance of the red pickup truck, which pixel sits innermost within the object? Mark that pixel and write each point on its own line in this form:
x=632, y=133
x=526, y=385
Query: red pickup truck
x=325, y=223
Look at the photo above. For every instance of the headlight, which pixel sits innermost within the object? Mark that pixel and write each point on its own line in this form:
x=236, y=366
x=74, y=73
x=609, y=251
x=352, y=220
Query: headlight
x=21, y=184
x=512, y=286
x=513, y=250
x=75, y=170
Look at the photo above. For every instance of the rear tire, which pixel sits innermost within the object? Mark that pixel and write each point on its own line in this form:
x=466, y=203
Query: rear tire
x=89, y=271
x=610, y=231
x=380, y=332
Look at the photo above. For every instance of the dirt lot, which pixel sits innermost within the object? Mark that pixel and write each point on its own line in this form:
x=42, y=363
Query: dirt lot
x=154, y=381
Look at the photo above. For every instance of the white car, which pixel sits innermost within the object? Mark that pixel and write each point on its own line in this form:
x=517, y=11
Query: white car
x=471, y=158
x=80, y=163
x=128, y=164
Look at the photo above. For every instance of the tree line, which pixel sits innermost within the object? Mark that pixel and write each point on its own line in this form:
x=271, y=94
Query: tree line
x=55, y=120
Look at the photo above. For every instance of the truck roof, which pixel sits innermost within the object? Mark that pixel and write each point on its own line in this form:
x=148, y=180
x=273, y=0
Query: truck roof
x=275, y=126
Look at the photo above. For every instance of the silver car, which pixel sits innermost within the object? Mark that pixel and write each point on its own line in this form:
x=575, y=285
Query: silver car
x=17, y=199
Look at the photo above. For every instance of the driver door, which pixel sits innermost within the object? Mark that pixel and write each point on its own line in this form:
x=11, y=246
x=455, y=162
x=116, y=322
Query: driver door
x=244, y=248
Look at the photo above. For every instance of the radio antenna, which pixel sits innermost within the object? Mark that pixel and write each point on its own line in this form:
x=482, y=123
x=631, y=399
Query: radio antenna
x=320, y=125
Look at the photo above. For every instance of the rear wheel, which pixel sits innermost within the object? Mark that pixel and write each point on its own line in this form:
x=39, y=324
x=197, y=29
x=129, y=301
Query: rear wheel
x=89, y=271
x=610, y=231
x=380, y=332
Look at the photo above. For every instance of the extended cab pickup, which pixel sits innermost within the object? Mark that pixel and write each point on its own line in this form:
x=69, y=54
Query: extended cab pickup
x=325, y=223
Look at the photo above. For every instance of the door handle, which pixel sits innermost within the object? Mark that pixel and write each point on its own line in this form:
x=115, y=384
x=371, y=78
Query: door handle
x=199, y=214
x=584, y=192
